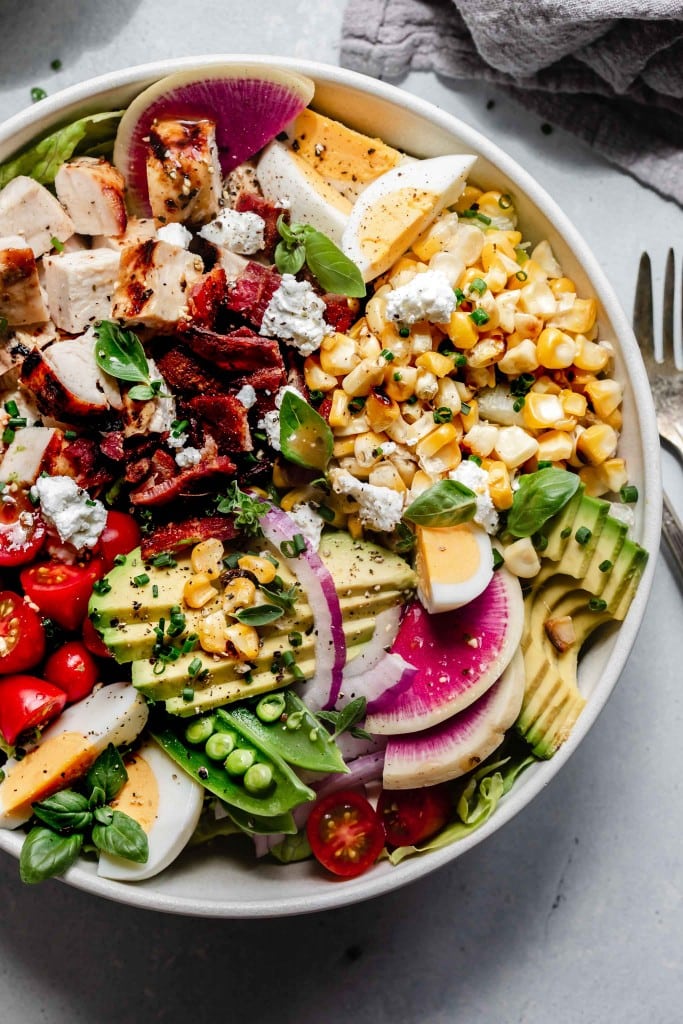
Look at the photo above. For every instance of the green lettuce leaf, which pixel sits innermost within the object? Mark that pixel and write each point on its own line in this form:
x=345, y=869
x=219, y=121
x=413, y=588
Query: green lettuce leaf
x=89, y=136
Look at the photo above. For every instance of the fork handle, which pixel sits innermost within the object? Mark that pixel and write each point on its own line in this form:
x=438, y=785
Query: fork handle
x=673, y=533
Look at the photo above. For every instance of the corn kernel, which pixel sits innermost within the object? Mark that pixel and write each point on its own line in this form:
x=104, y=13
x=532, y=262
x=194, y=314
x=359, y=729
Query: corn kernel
x=615, y=419
x=448, y=395
x=213, y=633
x=469, y=195
x=461, y=330
x=486, y=352
x=448, y=457
x=368, y=374
x=239, y=592
x=381, y=411
x=573, y=403
x=426, y=385
x=298, y=495
x=207, y=556
x=399, y=382
x=243, y=641
x=435, y=440
x=555, y=446
x=562, y=286
x=402, y=265
x=597, y=443
x=404, y=466
x=500, y=488
x=541, y=411
x=339, y=415
x=367, y=448
x=580, y=318
x=521, y=558
x=470, y=418
x=421, y=482
x=590, y=356
x=316, y=378
x=375, y=313
x=384, y=474
x=605, y=396
x=592, y=480
x=481, y=439
x=523, y=358
x=342, y=446
x=338, y=354
x=435, y=363
x=556, y=350
x=614, y=474
x=367, y=346
x=514, y=446
x=355, y=526
x=262, y=568
x=496, y=276
x=198, y=590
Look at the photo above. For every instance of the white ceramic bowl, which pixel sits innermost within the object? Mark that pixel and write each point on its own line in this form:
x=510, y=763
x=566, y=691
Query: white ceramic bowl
x=214, y=883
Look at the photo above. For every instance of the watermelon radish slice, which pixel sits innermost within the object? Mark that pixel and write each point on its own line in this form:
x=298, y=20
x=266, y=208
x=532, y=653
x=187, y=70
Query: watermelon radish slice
x=250, y=104
x=458, y=655
x=459, y=744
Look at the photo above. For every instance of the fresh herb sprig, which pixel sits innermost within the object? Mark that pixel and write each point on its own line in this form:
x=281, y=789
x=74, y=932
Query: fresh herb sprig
x=120, y=354
x=74, y=818
x=347, y=719
x=301, y=243
x=246, y=509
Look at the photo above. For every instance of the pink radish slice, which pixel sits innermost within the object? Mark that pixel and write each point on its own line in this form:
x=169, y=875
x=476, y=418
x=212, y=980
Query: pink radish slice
x=250, y=104
x=462, y=742
x=458, y=655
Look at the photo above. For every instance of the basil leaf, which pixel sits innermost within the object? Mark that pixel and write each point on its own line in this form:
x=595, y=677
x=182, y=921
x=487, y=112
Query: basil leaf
x=104, y=815
x=290, y=258
x=335, y=271
x=45, y=854
x=259, y=614
x=347, y=718
x=120, y=354
x=42, y=160
x=446, y=503
x=540, y=496
x=97, y=798
x=141, y=392
x=67, y=811
x=108, y=773
x=305, y=437
x=124, y=837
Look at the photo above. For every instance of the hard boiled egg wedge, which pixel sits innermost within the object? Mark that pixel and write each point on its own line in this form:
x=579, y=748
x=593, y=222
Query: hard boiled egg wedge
x=165, y=802
x=454, y=565
x=286, y=179
x=391, y=213
x=113, y=714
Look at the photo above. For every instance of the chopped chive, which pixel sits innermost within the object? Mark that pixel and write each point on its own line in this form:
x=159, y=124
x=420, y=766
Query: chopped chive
x=7, y=435
x=397, y=376
x=357, y=404
x=101, y=586
x=37, y=94
x=155, y=590
x=412, y=400
x=478, y=285
x=519, y=403
x=521, y=275
x=11, y=408
x=17, y=421
x=120, y=560
x=597, y=604
x=188, y=694
x=473, y=214
x=443, y=414
x=505, y=201
x=465, y=409
x=605, y=566
x=70, y=435
x=479, y=317
x=56, y=64
x=545, y=464
x=287, y=659
x=326, y=513
x=628, y=494
x=4, y=324
x=296, y=672
x=295, y=638
x=387, y=355
x=404, y=332
x=460, y=359
x=583, y=535
x=164, y=560
x=294, y=547
x=460, y=297
x=194, y=667
x=475, y=459
x=566, y=532
x=57, y=244
x=316, y=397
x=540, y=541
x=141, y=580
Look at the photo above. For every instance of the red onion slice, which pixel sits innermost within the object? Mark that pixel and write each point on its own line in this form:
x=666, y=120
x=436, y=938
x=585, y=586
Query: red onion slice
x=381, y=685
x=386, y=628
x=316, y=579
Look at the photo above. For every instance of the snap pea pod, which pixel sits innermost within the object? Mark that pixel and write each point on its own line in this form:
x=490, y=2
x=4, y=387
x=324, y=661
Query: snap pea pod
x=283, y=824
x=298, y=737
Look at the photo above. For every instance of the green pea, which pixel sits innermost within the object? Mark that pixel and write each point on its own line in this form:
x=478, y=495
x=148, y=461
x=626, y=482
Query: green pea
x=295, y=721
x=239, y=761
x=219, y=745
x=258, y=778
x=199, y=729
x=270, y=708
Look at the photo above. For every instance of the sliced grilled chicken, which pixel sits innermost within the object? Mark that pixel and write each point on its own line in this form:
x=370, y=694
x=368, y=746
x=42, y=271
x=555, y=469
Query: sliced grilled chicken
x=154, y=278
x=92, y=191
x=138, y=229
x=66, y=381
x=29, y=210
x=24, y=458
x=80, y=287
x=183, y=171
x=21, y=299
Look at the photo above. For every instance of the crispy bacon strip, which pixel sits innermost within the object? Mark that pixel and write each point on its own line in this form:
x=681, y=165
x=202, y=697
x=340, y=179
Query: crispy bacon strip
x=160, y=489
x=175, y=536
x=186, y=375
x=239, y=351
x=225, y=419
x=252, y=291
x=206, y=299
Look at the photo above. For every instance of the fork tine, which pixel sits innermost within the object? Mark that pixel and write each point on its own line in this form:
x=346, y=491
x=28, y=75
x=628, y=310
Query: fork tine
x=668, y=309
x=643, y=322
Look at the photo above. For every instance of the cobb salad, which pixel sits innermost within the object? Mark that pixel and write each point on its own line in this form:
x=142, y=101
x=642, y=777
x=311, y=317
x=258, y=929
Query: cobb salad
x=311, y=490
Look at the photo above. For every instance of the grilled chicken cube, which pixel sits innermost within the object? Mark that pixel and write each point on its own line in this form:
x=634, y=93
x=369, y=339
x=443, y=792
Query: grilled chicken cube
x=183, y=171
x=154, y=279
x=66, y=381
x=21, y=298
x=92, y=191
x=80, y=287
x=25, y=455
x=138, y=229
x=29, y=210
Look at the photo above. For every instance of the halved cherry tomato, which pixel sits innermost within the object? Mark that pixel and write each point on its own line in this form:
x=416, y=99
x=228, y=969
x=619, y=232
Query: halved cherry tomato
x=62, y=591
x=345, y=833
x=73, y=669
x=409, y=816
x=22, y=531
x=26, y=702
x=121, y=534
x=22, y=637
x=93, y=641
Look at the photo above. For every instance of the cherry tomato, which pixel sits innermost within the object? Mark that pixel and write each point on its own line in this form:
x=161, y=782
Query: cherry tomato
x=345, y=833
x=73, y=669
x=93, y=641
x=22, y=531
x=62, y=591
x=26, y=702
x=120, y=535
x=22, y=637
x=409, y=816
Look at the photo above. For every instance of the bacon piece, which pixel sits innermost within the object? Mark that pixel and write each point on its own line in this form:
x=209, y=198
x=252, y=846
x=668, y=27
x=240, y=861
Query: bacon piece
x=237, y=352
x=187, y=375
x=111, y=445
x=161, y=488
x=175, y=536
x=79, y=459
x=225, y=418
x=340, y=312
x=252, y=291
x=206, y=299
x=251, y=202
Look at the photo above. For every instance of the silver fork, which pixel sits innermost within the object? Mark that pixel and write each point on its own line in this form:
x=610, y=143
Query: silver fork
x=666, y=380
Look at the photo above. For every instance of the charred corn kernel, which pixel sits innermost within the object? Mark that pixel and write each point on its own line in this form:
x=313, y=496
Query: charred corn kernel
x=339, y=415
x=500, y=488
x=523, y=358
x=367, y=448
x=207, y=556
x=481, y=439
x=421, y=482
x=298, y=495
x=381, y=411
x=614, y=474
x=493, y=247
x=358, y=329
x=593, y=481
x=555, y=446
x=368, y=374
x=368, y=347
x=448, y=396
x=486, y=352
x=580, y=318
x=375, y=313
x=545, y=385
x=447, y=458
x=615, y=419
x=562, y=286
x=213, y=633
x=435, y=440
x=605, y=396
x=573, y=403
x=556, y=350
x=435, y=363
x=514, y=446
x=597, y=443
x=262, y=568
x=399, y=382
x=521, y=558
x=470, y=194
x=338, y=354
x=316, y=378
x=496, y=276
x=354, y=526
x=384, y=474
x=243, y=641
x=420, y=340
x=471, y=417
x=342, y=446
x=426, y=384
x=198, y=590
x=541, y=411
x=461, y=330
x=589, y=356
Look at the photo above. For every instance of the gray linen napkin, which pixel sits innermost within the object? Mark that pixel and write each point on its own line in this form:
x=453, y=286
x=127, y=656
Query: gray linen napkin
x=610, y=71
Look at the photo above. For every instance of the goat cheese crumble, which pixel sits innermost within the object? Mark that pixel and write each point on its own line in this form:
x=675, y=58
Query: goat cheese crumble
x=188, y=457
x=242, y=233
x=379, y=508
x=474, y=477
x=295, y=316
x=308, y=523
x=247, y=396
x=175, y=234
x=69, y=509
x=427, y=296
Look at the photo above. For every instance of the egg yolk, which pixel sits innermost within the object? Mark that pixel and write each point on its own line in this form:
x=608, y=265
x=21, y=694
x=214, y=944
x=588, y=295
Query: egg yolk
x=50, y=766
x=389, y=226
x=449, y=554
x=139, y=795
x=338, y=152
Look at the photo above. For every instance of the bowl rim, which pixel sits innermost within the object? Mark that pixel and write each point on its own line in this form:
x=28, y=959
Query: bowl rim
x=49, y=113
